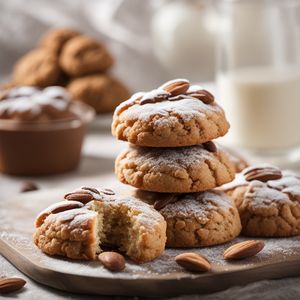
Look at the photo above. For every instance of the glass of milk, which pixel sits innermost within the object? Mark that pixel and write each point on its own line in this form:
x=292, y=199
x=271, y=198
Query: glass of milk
x=258, y=76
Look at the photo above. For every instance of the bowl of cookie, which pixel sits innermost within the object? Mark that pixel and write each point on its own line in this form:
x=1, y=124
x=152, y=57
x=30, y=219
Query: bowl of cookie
x=41, y=130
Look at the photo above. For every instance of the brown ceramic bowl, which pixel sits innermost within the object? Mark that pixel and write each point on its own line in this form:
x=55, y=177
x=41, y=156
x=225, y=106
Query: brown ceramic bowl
x=43, y=148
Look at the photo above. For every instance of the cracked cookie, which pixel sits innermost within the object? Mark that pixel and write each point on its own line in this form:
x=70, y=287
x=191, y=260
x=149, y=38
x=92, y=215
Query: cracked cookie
x=83, y=55
x=174, y=115
x=194, y=220
x=102, y=92
x=39, y=68
x=55, y=39
x=174, y=170
x=237, y=160
x=89, y=218
x=268, y=201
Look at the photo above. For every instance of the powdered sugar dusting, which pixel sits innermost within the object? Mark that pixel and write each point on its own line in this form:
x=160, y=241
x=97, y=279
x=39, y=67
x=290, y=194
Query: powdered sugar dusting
x=289, y=183
x=262, y=196
x=186, y=108
x=185, y=158
x=32, y=100
x=276, y=250
x=198, y=205
x=163, y=86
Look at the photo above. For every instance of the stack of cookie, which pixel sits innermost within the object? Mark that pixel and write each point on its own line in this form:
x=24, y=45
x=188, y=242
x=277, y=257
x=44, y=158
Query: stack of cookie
x=80, y=63
x=174, y=164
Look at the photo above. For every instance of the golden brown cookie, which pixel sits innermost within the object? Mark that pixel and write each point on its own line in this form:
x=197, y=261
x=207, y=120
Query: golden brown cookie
x=174, y=115
x=89, y=217
x=102, y=92
x=237, y=160
x=173, y=170
x=196, y=220
x=38, y=68
x=83, y=55
x=268, y=201
x=55, y=39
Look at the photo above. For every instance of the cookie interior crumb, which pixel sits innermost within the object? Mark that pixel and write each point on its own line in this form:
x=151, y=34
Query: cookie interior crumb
x=116, y=226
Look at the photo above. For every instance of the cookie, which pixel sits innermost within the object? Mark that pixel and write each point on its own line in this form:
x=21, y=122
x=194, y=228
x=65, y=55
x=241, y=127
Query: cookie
x=39, y=68
x=89, y=218
x=102, y=92
x=237, y=160
x=30, y=104
x=174, y=115
x=55, y=39
x=173, y=170
x=195, y=220
x=82, y=55
x=268, y=201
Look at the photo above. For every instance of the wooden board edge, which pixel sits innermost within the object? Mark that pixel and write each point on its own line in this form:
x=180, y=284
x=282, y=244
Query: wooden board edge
x=146, y=287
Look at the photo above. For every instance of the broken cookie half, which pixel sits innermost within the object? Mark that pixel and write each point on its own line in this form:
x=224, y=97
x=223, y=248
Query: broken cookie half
x=89, y=218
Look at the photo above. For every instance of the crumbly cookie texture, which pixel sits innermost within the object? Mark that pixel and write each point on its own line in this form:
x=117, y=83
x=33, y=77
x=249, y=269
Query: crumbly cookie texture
x=77, y=227
x=70, y=233
x=173, y=170
x=195, y=220
x=39, y=67
x=83, y=55
x=102, y=92
x=237, y=160
x=268, y=201
x=162, y=118
x=55, y=39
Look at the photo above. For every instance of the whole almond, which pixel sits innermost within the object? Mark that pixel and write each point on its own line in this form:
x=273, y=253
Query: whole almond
x=263, y=174
x=107, y=192
x=12, y=284
x=193, y=262
x=56, y=208
x=154, y=96
x=176, y=87
x=93, y=190
x=203, y=95
x=243, y=250
x=210, y=146
x=164, y=200
x=28, y=186
x=81, y=196
x=112, y=261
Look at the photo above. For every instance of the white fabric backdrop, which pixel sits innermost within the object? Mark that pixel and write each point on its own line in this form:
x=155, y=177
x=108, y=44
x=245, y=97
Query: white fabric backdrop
x=23, y=22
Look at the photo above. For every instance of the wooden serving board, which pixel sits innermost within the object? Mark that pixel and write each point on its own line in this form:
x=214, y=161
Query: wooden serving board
x=162, y=277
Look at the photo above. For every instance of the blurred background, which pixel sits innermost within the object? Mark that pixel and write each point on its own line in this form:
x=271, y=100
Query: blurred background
x=246, y=51
x=157, y=39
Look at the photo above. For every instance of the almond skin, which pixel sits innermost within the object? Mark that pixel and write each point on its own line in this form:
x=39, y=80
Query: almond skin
x=203, y=95
x=263, y=174
x=81, y=196
x=177, y=87
x=60, y=208
x=112, y=261
x=193, y=262
x=210, y=146
x=243, y=250
x=12, y=284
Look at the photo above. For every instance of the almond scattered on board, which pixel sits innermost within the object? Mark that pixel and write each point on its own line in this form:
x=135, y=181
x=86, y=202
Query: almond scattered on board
x=193, y=262
x=243, y=250
x=112, y=261
x=28, y=186
x=11, y=284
